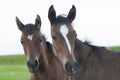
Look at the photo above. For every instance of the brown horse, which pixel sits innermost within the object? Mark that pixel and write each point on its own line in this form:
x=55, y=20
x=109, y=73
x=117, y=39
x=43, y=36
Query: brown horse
x=95, y=63
x=41, y=61
x=63, y=38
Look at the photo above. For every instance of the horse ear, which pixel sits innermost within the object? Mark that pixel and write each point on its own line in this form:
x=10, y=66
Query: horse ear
x=52, y=14
x=72, y=14
x=38, y=22
x=19, y=24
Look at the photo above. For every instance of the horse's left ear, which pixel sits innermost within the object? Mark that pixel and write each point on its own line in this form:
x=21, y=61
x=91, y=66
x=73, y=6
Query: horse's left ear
x=19, y=24
x=72, y=14
x=38, y=22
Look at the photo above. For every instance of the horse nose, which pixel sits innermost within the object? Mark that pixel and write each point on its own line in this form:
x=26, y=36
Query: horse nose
x=33, y=65
x=72, y=68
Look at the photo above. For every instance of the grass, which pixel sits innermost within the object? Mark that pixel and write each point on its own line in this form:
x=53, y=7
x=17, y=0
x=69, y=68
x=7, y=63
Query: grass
x=13, y=59
x=14, y=67
x=114, y=48
x=14, y=72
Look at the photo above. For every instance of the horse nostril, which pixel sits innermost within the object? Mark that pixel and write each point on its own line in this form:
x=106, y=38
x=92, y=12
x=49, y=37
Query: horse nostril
x=28, y=63
x=68, y=66
x=72, y=67
x=36, y=63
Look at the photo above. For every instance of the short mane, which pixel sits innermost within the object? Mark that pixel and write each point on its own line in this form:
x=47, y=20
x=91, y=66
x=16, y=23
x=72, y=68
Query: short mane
x=93, y=47
x=88, y=43
x=60, y=19
x=49, y=45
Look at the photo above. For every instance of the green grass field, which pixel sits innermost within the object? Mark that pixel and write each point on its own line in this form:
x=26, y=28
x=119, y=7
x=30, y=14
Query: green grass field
x=14, y=72
x=115, y=48
x=14, y=67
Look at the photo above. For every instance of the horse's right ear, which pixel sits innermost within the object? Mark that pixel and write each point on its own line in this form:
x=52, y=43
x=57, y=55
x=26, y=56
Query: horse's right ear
x=19, y=24
x=52, y=14
x=38, y=22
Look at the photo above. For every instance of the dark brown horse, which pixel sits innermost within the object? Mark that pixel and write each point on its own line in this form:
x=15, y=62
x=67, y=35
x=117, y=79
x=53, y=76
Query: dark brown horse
x=41, y=61
x=95, y=63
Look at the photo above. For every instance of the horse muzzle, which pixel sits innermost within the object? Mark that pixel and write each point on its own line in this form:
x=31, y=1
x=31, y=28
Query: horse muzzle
x=33, y=65
x=72, y=68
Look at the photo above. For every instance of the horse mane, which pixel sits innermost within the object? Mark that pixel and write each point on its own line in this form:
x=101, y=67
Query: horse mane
x=44, y=37
x=60, y=18
x=93, y=47
x=49, y=45
x=88, y=43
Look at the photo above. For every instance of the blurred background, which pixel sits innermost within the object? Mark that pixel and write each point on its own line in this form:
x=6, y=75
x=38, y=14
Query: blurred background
x=96, y=20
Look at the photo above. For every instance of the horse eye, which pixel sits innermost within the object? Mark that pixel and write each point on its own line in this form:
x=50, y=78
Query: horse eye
x=53, y=37
x=75, y=35
x=21, y=41
x=40, y=40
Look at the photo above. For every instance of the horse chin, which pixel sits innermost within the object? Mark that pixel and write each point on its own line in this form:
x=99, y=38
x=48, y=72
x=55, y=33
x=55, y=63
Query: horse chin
x=71, y=73
x=33, y=70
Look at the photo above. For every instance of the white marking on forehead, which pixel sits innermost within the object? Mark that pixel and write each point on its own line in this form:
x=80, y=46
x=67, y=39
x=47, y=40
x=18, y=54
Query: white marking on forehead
x=30, y=37
x=64, y=31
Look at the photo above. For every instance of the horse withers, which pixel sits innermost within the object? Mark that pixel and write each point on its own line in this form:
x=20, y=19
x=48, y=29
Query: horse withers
x=41, y=61
x=95, y=63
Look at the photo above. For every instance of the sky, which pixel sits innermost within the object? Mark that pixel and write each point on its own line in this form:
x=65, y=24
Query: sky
x=96, y=20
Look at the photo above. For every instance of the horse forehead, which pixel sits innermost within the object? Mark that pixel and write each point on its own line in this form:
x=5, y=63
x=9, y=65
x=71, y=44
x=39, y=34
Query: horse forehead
x=64, y=30
x=30, y=37
x=29, y=28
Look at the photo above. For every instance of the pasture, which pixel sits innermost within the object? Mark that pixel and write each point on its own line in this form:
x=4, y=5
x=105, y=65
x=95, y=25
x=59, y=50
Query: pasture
x=114, y=48
x=14, y=67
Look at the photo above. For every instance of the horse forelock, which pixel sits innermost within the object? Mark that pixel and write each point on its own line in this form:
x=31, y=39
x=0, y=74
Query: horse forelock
x=29, y=29
x=60, y=19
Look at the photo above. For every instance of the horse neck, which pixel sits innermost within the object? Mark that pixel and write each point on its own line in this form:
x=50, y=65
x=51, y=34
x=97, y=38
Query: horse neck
x=82, y=51
x=44, y=57
x=42, y=74
x=55, y=66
